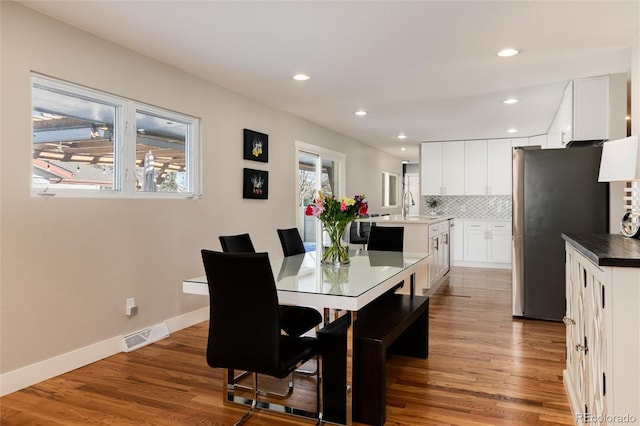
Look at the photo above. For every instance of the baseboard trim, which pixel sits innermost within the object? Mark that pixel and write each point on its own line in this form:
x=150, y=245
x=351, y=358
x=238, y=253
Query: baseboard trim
x=29, y=375
x=481, y=265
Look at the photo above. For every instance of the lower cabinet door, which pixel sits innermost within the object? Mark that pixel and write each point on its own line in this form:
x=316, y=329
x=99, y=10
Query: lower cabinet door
x=499, y=247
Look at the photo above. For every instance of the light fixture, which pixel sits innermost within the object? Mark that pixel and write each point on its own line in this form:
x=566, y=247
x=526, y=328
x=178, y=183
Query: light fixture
x=621, y=163
x=360, y=113
x=301, y=77
x=511, y=101
x=402, y=136
x=512, y=130
x=403, y=148
x=505, y=53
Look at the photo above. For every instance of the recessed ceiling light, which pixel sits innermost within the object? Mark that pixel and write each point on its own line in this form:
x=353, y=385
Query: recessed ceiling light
x=512, y=131
x=301, y=77
x=360, y=113
x=402, y=136
x=403, y=149
x=508, y=52
x=511, y=101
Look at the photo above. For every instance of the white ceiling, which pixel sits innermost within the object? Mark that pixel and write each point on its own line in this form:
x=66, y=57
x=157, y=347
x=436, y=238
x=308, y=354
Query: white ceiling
x=428, y=69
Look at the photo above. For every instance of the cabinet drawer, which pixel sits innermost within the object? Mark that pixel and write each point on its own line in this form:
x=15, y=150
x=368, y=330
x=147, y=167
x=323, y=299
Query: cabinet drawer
x=500, y=226
x=475, y=225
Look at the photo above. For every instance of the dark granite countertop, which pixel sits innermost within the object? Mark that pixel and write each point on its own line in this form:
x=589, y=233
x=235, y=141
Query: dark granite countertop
x=607, y=249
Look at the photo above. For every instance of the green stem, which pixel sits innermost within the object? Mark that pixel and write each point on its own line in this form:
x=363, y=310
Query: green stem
x=336, y=252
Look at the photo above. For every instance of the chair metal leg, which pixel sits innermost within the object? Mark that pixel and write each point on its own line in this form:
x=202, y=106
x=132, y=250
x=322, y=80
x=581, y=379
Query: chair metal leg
x=319, y=394
x=253, y=403
x=269, y=393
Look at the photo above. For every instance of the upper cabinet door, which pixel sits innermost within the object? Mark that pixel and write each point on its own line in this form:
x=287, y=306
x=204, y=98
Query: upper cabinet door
x=499, y=160
x=431, y=168
x=453, y=170
x=475, y=159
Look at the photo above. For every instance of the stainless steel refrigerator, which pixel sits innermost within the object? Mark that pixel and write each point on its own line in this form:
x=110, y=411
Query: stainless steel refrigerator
x=555, y=191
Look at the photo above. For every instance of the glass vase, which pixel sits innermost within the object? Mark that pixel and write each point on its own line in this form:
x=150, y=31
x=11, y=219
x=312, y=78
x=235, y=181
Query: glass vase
x=335, y=244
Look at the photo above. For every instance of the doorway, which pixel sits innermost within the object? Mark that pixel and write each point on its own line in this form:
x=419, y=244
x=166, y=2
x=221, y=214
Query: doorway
x=318, y=169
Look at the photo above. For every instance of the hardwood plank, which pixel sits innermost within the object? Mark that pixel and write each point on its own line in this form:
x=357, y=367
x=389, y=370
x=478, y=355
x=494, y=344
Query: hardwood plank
x=484, y=368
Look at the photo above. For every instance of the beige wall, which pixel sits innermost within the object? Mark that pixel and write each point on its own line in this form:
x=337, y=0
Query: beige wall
x=69, y=264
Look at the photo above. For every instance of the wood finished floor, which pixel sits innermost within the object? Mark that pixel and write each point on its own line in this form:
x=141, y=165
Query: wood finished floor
x=484, y=368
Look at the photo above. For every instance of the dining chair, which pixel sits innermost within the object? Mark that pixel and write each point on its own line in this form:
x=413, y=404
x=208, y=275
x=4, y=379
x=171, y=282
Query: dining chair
x=290, y=241
x=244, y=322
x=240, y=243
x=295, y=320
x=386, y=238
x=359, y=232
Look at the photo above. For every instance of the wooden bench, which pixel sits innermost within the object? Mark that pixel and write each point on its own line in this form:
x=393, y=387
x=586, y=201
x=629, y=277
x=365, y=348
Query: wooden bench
x=395, y=324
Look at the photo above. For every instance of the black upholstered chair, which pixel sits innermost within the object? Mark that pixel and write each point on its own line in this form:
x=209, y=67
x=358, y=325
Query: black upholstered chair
x=386, y=238
x=359, y=231
x=291, y=242
x=244, y=321
x=295, y=320
x=240, y=243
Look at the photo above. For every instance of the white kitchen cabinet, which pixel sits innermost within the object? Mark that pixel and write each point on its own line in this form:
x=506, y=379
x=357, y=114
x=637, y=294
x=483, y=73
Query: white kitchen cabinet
x=440, y=251
x=456, y=236
x=475, y=241
x=499, y=161
x=540, y=140
x=442, y=168
x=475, y=167
x=487, y=167
x=519, y=142
x=602, y=375
x=431, y=168
x=487, y=242
x=499, y=242
x=584, y=113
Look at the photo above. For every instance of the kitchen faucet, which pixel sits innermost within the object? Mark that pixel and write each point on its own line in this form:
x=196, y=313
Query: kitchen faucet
x=405, y=205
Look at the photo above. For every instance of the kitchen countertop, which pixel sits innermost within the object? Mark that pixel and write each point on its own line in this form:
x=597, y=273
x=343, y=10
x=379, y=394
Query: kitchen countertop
x=397, y=218
x=607, y=249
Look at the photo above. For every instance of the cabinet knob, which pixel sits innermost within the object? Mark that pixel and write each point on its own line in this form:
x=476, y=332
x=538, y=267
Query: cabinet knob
x=568, y=321
x=582, y=348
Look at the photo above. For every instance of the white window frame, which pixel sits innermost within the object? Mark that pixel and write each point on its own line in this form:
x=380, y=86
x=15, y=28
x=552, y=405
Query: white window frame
x=124, y=135
x=386, y=190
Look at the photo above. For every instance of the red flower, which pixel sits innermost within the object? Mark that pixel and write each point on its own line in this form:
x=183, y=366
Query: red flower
x=309, y=210
x=363, y=209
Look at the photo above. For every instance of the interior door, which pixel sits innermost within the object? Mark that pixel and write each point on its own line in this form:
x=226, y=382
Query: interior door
x=318, y=169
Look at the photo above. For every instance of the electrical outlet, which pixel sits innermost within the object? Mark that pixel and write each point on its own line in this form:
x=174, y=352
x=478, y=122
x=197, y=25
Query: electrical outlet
x=130, y=307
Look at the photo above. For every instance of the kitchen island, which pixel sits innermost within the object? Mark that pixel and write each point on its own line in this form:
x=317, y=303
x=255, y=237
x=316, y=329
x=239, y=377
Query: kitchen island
x=428, y=234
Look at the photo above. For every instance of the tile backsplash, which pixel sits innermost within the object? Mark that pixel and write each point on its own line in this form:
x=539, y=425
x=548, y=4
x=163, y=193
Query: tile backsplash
x=473, y=206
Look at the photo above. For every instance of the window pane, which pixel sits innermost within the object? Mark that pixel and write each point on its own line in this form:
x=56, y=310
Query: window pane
x=73, y=143
x=330, y=176
x=160, y=154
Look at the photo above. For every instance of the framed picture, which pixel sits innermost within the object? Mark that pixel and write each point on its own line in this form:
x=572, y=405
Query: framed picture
x=255, y=184
x=256, y=146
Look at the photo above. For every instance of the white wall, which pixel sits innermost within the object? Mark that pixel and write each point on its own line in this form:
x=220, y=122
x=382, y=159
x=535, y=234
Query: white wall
x=69, y=264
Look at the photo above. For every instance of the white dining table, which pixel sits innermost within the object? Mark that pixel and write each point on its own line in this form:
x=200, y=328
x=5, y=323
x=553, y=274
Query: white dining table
x=304, y=280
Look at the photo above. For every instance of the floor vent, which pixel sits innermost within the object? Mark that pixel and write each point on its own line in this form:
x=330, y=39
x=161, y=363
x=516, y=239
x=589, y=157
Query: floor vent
x=144, y=337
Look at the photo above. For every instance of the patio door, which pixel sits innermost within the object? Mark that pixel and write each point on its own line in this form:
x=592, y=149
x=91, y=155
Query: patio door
x=318, y=169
